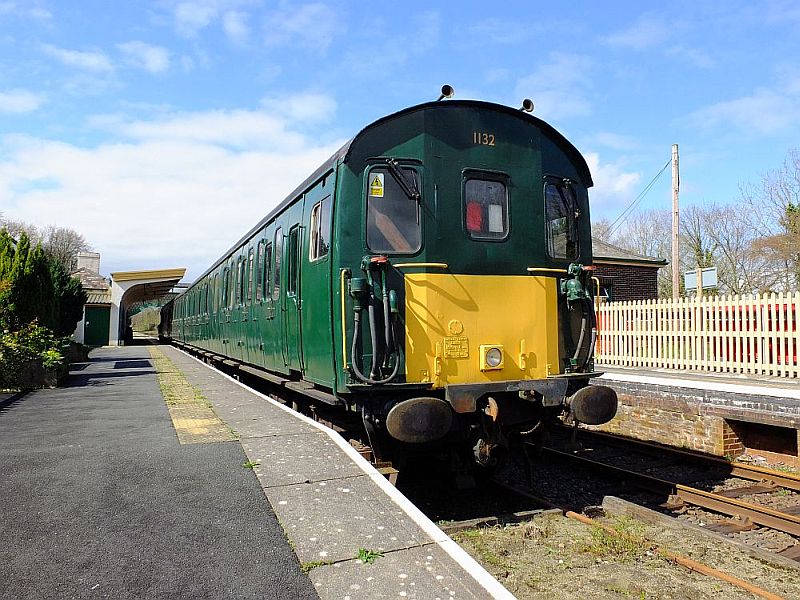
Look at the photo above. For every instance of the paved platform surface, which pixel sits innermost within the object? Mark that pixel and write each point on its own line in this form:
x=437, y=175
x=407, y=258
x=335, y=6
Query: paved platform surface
x=332, y=504
x=99, y=500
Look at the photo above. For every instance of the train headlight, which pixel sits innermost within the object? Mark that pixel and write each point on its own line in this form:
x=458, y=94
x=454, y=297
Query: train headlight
x=491, y=357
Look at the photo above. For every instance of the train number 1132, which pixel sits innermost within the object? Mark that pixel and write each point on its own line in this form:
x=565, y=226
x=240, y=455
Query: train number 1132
x=483, y=138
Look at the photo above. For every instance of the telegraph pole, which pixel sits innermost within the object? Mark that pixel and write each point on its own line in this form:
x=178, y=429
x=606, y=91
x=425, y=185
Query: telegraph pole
x=676, y=254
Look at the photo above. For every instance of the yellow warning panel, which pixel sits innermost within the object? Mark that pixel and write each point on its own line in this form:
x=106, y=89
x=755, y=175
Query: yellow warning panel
x=193, y=418
x=376, y=185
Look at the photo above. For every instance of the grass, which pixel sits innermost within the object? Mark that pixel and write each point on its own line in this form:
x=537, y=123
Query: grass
x=483, y=548
x=626, y=545
x=251, y=464
x=368, y=556
x=784, y=469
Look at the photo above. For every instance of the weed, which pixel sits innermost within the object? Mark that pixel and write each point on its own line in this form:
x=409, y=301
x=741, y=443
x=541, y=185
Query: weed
x=784, y=469
x=471, y=533
x=534, y=531
x=368, y=556
x=251, y=465
x=625, y=545
x=307, y=566
x=234, y=433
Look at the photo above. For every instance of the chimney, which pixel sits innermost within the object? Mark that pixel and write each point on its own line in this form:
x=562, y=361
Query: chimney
x=89, y=261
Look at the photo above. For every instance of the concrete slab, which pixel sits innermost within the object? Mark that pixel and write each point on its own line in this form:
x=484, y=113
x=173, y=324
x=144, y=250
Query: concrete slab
x=331, y=520
x=298, y=458
x=422, y=573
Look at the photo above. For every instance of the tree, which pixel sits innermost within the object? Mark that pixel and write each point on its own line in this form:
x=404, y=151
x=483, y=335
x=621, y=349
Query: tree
x=29, y=292
x=64, y=244
x=36, y=287
x=70, y=297
x=775, y=213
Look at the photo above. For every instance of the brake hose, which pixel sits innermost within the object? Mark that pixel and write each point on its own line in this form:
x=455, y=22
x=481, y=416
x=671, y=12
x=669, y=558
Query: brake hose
x=359, y=375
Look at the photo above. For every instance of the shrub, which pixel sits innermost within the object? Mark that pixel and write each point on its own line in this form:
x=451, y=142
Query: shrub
x=21, y=351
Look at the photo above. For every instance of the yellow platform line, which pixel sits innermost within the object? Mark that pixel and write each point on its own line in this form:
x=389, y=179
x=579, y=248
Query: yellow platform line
x=192, y=415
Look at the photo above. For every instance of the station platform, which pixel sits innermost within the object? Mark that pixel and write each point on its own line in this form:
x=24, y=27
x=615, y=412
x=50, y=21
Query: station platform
x=109, y=491
x=722, y=414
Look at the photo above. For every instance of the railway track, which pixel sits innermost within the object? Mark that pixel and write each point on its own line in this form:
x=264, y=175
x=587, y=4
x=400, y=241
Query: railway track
x=677, y=479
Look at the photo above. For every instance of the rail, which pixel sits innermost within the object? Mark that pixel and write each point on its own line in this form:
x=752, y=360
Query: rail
x=760, y=515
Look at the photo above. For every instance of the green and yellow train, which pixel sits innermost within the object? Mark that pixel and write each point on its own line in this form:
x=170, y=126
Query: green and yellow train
x=434, y=275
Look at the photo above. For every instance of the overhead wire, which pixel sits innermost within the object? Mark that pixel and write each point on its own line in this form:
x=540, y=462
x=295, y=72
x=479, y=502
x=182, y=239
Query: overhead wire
x=628, y=210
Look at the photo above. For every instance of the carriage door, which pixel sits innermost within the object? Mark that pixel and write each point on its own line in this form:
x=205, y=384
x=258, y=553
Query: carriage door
x=292, y=337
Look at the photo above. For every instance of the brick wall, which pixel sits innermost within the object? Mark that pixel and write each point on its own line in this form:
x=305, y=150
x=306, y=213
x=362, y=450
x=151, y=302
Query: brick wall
x=711, y=421
x=629, y=282
x=667, y=421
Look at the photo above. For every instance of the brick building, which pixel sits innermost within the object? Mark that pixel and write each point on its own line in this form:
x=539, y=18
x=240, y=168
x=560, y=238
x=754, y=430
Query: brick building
x=625, y=275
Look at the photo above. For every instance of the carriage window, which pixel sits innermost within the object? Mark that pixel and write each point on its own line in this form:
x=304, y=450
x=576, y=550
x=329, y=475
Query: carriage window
x=486, y=209
x=320, y=229
x=215, y=293
x=393, y=223
x=276, y=271
x=250, y=274
x=294, y=258
x=267, y=273
x=259, y=270
x=240, y=281
x=561, y=214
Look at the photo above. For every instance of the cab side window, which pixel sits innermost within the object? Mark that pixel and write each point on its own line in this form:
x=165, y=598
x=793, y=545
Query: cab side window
x=561, y=219
x=393, y=205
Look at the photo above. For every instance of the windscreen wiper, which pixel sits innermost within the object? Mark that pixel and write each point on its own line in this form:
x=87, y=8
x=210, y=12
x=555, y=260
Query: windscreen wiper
x=409, y=187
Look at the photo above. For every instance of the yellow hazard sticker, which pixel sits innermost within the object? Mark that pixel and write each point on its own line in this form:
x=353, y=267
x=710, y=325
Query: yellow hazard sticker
x=376, y=185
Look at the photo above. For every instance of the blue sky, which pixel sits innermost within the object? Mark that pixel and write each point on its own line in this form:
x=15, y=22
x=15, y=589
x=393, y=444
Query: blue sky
x=161, y=130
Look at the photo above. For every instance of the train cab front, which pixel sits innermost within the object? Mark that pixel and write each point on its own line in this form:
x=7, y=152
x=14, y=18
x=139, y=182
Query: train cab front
x=473, y=312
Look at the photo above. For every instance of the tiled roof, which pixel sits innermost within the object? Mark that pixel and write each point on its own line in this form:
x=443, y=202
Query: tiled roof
x=91, y=280
x=603, y=251
x=96, y=297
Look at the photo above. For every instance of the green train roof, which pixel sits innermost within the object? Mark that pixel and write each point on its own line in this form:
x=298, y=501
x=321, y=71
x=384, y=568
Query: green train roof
x=343, y=153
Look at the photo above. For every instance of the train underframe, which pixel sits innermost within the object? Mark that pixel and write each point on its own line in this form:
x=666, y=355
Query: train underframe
x=481, y=424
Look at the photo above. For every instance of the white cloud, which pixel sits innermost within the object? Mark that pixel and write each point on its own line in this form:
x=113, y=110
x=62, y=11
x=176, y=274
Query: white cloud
x=311, y=25
x=19, y=101
x=32, y=12
x=94, y=61
x=239, y=129
x=613, y=185
x=558, y=88
x=236, y=27
x=647, y=31
x=191, y=17
x=765, y=111
x=305, y=107
x=693, y=56
x=154, y=59
x=168, y=199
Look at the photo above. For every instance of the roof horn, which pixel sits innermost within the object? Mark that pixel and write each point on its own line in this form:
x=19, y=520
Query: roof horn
x=447, y=92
